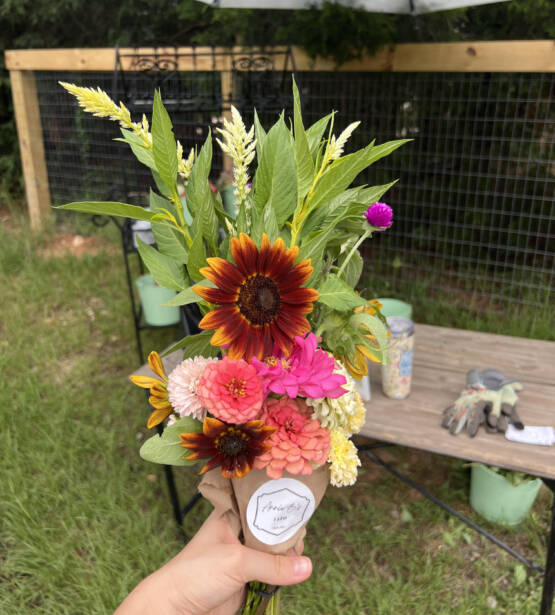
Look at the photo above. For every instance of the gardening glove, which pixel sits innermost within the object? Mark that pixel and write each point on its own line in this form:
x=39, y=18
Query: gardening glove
x=468, y=412
x=490, y=398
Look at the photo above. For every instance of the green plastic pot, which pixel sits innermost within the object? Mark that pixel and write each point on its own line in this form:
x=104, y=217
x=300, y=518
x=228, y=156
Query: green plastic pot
x=493, y=497
x=396, y=307
x=152, y=296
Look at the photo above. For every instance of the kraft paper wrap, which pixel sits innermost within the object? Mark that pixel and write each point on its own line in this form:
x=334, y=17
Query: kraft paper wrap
x=230, y=498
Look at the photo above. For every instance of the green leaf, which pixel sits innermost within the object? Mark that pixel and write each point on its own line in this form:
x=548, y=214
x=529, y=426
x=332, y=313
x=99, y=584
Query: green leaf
x=325, y=214
x=109, y=208
x=338, y=295
x=196, y=345
x=303, y=157
x=260, y=135
x=343, y=171
x=164, y=147
x=168, y=239
x=315, y=133
x=170, y=242
x=162, y=188
x=520, y=574
x=200, y=198
x=197, y=258
x=165, y=270
x=166, y=448
x=159, y=202
x=353, y=270
x=276, y=178
x=241, y=222
x=142, y=154
x=187, y=296
x=264, y=222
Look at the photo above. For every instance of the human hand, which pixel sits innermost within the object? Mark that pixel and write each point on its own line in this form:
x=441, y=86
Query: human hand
x=209, y=575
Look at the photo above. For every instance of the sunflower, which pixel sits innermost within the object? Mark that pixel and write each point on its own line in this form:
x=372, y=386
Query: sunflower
x=158, y=390
x=260, y=297
x=233, y=447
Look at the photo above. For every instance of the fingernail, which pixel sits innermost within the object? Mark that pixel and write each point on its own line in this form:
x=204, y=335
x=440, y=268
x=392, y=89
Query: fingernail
x=302, y=566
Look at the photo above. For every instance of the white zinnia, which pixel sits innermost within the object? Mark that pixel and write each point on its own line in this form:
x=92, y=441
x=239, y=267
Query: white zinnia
x=182, y=387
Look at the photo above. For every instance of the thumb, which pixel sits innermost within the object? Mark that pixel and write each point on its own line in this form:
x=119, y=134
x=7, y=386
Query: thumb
x=274, y=569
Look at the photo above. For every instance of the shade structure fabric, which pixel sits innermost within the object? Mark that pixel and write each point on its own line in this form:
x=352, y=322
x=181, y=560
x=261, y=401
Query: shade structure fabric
x=414, y=7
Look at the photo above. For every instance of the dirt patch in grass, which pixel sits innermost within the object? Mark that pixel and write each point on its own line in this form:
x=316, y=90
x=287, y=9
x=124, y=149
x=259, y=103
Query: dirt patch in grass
x=76, y=245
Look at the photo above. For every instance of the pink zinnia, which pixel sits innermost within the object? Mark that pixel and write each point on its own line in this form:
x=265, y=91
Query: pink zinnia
x=298, y=445
x=231, y=391
x=308, y=371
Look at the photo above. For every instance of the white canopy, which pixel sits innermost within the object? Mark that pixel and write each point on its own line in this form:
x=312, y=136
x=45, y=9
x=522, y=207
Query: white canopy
x=376, y=6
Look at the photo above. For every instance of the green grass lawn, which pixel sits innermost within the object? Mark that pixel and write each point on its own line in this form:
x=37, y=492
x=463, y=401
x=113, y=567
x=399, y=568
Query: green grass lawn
x=83, y=518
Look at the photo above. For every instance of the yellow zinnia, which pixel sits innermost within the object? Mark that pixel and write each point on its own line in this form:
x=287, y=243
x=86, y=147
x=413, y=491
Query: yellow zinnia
x=158, y=390
x=343, y=459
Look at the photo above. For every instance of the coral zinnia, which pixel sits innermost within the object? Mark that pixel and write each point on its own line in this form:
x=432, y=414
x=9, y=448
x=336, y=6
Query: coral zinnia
x=233, y=447
x=260, y=298
x=300, y=442
x=158, y=390
x=231, y=391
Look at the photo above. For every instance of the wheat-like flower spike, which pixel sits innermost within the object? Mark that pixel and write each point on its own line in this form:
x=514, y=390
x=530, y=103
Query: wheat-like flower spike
x=97, y=102
x=342, y=139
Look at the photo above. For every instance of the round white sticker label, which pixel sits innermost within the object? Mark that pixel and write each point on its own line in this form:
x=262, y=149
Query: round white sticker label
x=278, y=508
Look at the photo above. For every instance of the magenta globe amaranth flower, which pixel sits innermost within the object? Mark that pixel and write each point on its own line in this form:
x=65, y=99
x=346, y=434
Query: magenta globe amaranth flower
x=379, y=215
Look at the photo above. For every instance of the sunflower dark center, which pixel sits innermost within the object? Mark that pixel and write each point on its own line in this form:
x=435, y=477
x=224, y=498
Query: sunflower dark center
x=232, y=442
x=259, y=299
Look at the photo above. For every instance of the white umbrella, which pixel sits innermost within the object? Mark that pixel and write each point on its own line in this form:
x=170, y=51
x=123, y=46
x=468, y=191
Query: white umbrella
x=376, y=6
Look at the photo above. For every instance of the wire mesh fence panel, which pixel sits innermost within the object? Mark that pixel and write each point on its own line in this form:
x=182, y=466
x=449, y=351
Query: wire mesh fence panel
x=474, y=202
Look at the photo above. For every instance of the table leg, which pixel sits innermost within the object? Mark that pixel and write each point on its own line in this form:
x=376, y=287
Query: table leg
x=549, y=576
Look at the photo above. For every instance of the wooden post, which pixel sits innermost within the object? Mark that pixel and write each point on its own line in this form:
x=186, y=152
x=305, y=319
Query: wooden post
x=31, y=146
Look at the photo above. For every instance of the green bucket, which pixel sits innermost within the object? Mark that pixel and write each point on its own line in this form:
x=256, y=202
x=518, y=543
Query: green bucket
x=497, y=500
x=152, y=296
x=396, y=307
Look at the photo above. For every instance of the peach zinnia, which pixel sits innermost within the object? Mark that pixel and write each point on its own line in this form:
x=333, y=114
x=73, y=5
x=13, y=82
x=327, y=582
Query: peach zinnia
x=299, y=443
x=260, y=298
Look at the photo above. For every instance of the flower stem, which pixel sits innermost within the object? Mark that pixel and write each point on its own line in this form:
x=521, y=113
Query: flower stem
x=353, y=250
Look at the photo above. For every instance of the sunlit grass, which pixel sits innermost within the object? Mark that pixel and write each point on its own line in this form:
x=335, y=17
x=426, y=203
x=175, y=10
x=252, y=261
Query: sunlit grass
x=83, y=518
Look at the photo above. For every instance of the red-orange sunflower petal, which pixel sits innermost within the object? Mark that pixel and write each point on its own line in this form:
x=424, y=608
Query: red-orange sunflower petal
x=223, y=273
x=215, y=295
x=218, y=317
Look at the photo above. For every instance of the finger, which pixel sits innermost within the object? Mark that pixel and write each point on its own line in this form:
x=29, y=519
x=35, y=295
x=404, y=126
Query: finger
x=274, y=569
x=476, y=418
x=448, y=416
x=515, y=418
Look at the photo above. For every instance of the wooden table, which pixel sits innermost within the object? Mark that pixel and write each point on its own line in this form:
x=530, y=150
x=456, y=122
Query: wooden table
x=442, y=356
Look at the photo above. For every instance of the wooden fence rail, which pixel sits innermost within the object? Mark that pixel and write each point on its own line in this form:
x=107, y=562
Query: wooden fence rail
x=490, y=56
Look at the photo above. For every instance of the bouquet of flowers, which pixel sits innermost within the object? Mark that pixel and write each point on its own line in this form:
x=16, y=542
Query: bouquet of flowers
x=264, y=397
